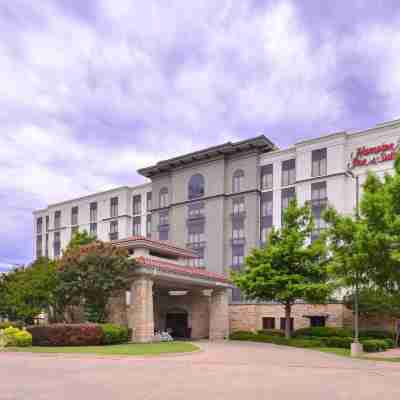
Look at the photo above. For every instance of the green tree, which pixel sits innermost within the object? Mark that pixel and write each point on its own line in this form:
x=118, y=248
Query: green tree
x=290, y=267
x=348, y=262
x=81, y=239
x=25, y=292
x=90, y=275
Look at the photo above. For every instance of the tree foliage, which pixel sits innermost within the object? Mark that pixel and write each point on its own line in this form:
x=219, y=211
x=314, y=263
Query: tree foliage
x=81, y=239
x=27, y=291
x=90, y=274
x=289, y=267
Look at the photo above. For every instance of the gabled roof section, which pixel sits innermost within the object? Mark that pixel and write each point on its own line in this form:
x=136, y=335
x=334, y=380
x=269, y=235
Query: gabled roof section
x=170, y=267
x=260, y=143
x=156, y=245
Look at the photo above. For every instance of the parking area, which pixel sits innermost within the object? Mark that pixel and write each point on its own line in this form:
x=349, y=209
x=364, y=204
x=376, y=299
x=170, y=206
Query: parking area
x=225, y=370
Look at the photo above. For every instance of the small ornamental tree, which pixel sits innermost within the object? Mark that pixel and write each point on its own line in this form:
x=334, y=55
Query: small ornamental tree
x=289, y=267
x=28, y=291
x=81, y=239
x=90, y=275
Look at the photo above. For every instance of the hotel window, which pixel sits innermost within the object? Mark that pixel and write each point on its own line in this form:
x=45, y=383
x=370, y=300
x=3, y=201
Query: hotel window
x=238, y=206
x=237, y=181
x=93, y=212
x=283, y=324
x=148, y=226
x=267, y=210
x=268, y=323
x=114, y=207
x=47, y=223
x=57, y=220
x=149, y=205
x=39, y=246
x=198, y=262
x=288, y=195
x=318, y=163
x=93, y=228
x=195, y=210
x=267, y=177
x=137, y=226
x=164, y=198
x=39, y=225
x=319, y=202
x=46, y=248
x=114, y=230
x=237, y=231
x=74, y=230
x=289, y=172
x=57, y=244
x=137, y=204
x=237, y=256
x=74, y=216
x=196, y=187
x=163, y=227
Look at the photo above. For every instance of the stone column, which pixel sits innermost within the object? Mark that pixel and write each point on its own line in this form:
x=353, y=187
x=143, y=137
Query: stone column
x=219, y=314
x=142, y=310
x=200, y=315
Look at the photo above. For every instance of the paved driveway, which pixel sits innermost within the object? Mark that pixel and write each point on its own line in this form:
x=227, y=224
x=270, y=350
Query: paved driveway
x=231, y=371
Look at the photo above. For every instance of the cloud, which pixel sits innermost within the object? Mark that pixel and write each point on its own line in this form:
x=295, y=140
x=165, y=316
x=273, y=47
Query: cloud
x=94, y=90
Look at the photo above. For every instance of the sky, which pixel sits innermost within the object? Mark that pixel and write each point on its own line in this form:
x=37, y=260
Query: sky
x=90, y=91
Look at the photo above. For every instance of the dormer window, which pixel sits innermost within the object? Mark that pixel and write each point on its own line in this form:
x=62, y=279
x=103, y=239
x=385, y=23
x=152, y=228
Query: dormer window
x=196, y=187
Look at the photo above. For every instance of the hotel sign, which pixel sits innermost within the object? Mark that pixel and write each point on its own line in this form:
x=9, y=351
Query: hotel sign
x=374, y=155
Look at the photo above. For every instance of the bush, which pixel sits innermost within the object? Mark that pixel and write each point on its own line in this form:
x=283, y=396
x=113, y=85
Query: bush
x=114, y=334
x=323, y=331
x=375, y=334
x=14, y=324
x=16, y=337
x=271, y=332
x=66, y=335
x=242, y=335
x=337, y=341
x=390, y=343
x=375, y=345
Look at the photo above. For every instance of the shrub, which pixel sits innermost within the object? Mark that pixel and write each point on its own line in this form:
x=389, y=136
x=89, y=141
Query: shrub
x=15, y=337
x=375, y=345
x=375, y=334
x=337, y=341
x=14, y=324
x=390, y=343
x=323, y=331
x=242, y=335
x=114, y=334
x=271, y=332
x=66, y=334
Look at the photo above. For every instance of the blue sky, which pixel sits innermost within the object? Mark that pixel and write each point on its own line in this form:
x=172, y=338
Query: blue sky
x=93, y=90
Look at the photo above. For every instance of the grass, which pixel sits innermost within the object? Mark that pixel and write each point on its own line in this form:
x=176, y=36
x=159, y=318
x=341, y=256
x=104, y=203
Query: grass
x=346, y=353
x=129, y=349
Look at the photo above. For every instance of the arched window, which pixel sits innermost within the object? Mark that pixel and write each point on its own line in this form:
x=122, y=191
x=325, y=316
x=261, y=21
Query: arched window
x=237, y=181
x=164, y=197
x=196, y=186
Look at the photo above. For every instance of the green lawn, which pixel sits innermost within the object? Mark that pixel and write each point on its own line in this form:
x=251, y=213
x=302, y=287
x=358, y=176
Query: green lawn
x=129, y=349
x=346, y=353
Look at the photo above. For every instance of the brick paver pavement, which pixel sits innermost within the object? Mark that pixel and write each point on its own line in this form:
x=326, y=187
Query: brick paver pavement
x=233, y=370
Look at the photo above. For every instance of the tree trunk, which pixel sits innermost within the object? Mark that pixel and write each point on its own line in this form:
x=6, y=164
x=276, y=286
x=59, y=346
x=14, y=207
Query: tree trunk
x=288, y=312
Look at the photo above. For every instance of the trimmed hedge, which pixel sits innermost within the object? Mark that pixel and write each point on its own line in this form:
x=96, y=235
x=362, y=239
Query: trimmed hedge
x=78, y=334
x=15, y=337
x=271, y=332
x=66, y=334
x=323, y=331
x=370, y=345
x=114, y=334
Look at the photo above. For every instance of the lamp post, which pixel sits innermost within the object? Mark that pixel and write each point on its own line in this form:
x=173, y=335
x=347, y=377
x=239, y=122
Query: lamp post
x=356, y=346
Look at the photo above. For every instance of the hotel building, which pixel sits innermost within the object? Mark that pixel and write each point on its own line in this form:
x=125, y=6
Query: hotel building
x=221, y=202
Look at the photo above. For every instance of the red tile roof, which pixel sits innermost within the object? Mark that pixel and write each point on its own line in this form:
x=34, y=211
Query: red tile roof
x=159, y=244
x=180, y=269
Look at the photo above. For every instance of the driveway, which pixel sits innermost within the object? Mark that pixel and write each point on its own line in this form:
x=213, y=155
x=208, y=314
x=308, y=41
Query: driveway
x=233, y=370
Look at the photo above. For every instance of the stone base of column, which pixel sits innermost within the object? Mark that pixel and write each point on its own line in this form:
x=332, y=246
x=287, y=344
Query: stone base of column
x=219, y=315
x=142, y=310
x=356, y=349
